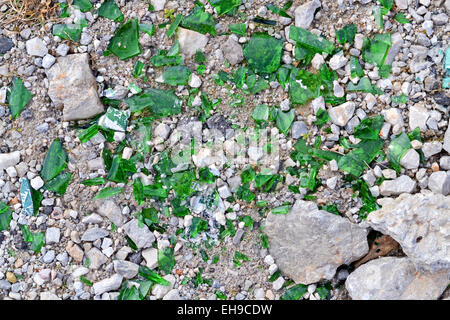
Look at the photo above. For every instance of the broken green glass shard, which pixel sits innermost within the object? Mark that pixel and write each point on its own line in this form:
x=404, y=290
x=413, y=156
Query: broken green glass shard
x=346, y=34
x=206, y=176
x=261, y=113
x=256, y=84
x=173, y=27
x=355, y=68
x=199, y=57
x=397, y=149
x=65, y=10
x=177, y=75
x=364, y=85
x=174, y=49
x=110, y=10
x=295, y=292
x=238, y=28
x=37, y=239
x=239, y=257
x=299, y=94
x=137, y=69
x=284, y=120
x=247, y=175
x=322, y=117
x=384, y=71
x=375, y=50
x=369, y=128
x=161, y=102
x=357, y=160
x=147, y=28
x=108, y=192
x=134, y=88
x=166, y=260
x=263, y=53
x=116, y=172
x=5, y=216
x=281, y=210
x=69, y=31
x=93, y=181
x=37, y=198
x=310, y=41
x=83, y=5
x=88, y=133
x=224, y=6
x=59, y=183
x=151, y=275
x=200, y=21
x=198, y=225
x=378, y=16
x=401, y=99
x=277, y=10
x=55, y=161
x=387, y=3
x=125, y=42
x=400, y=17
x=18, y=97
x=115, y=119
x=138, y=191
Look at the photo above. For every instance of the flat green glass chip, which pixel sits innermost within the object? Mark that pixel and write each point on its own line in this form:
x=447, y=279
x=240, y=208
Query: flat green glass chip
x=125, y=42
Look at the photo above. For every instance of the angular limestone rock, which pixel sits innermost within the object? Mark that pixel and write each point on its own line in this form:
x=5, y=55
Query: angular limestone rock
x=72, y=84
x=309, y=244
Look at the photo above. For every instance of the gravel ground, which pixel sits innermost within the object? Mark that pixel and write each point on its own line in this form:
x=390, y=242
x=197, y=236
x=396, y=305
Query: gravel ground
x=70, y=261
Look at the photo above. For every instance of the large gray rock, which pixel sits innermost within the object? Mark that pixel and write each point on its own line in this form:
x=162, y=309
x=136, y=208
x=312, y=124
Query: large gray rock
x=232, y=51
x=340, y=115
x=420, y=223
x=9, y=159
x=191, y=41
x=402, y=184
x=141, y=236
x=392, y=278
x=93, y=234
x=304, y=14
x=72, y=84
x=309, y=244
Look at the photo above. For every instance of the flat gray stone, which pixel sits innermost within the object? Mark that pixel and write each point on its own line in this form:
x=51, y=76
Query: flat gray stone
x=410, y=159
x=142, y=237
x=126, y=269
x=304, y=14
x=72, y=84
x=392, y=278
x=309, y=244
x=109, y=284
x=96, y=258
x=94, y=234
x=439, y=182
x=109, y=209
x=402, y=184
x=232, y=51
x=341, y=114
x=36, y=47
x=420, y=223
x=9, y=159
x=191, y=41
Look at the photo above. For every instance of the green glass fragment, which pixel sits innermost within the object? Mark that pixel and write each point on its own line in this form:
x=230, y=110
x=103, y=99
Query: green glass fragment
x=125, y=42
x=400, y=17
x=378, y=16
x=200, y=21
x=261, y=113
x=357, y=160
x=346, y=34
x=174, y=49
x=70, y=31
x=18, y=97
x=364, y=85
x=137, y=69
x=147, y=28
x=206, y=175
x=110, y=10
x=59, y=183
x=224, y=6
x=161, y=59
x=256, y=84
x=386, y=3
x=375, y=50
x=114, y=119
x=198, y=225
x=173, y=27
x=369, y=128
x=397, y=149
x=310, y=41
x=277, y=10
x=83, y=5
x=239, y=257
x=401, y=99
x=322, y=118
x=295, y=292
x=93, y=181
x=166, y=260
x=88, y=133
x=238, y=28
x=5, y=216
x=263, y=53
x=149, y=274
x=138, y=191
x=284, y=120
x=355, y=68
x=108, y=192
x=177, y=75
x=281, y=210
x=161, y=102
x=55, y=161
x=384, y=71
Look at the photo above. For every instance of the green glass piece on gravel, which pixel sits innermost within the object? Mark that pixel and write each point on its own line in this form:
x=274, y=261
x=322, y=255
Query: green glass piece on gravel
x=355, y=68
x=384, y=71
x=37, y=239
x=357, y=160
x=88, y=133
x=247, y=175
x=263, y=53
x=116, y=172
x=200, y=21
x=59, y=183
x=173, y=27
x=18, y=97
x=369, y=128
x=55, y=161
x=147, y=28
x=37, y=198
x=281, y=210
x=261, y=113
x=277, y=10
x=199, y=57
x=161, y=59
x=198, y=225
x=70, y=31
x=294, y=293
x=138, y=191
x=94, y=181
x=151, y=275
x=238, y=28
x=137, y=69
x=224, y=6
x=401, y=99
x=125, y=42
x=110, y=10
x=284, y=120
x=83, y=5
x=206, y=176
x=256, y=84
x=174, y=49
x=364, y=85
x=108, y=192
x=346, y=34
x=310, y=41
x=400, y=18
x=387, y=3
x=375, y=50
x=397, y=149
x=5, y=216
x=162, y=103
x=166, y=260
x=115, y=119
x=322, y=118
x=177, y=75
x=378, y=16
x=239, y=257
